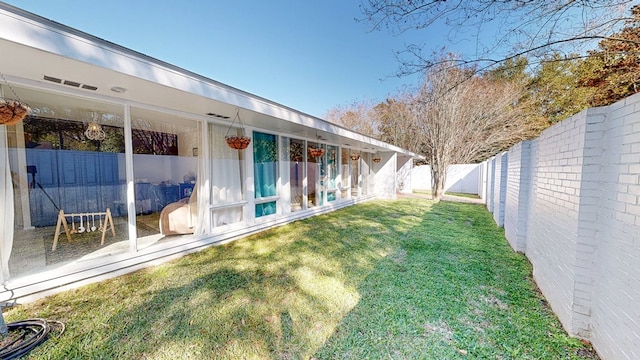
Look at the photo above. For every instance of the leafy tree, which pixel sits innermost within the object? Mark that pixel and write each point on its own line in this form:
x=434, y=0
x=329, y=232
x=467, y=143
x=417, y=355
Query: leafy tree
x=613, y=71
x=513, y=69
x=556, y=93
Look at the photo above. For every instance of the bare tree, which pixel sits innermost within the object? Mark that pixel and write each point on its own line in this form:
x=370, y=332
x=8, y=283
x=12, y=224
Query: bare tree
x=358, y=117
x=531, y=28
x=397, y=122
x=463, y=118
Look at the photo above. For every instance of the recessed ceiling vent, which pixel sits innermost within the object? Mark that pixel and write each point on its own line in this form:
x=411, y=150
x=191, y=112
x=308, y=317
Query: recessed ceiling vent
x=218, y=115
x=70, y=83
x=52, y=79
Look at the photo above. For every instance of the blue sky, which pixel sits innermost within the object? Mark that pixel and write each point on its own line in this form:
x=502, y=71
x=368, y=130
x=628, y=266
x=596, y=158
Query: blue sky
x=308, y=55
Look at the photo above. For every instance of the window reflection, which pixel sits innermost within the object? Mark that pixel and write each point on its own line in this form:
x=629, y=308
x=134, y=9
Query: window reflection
x=60, y=177
x=165, y=163
x=265, y=172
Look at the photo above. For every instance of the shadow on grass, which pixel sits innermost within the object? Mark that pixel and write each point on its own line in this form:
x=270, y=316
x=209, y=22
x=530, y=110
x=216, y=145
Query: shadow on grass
x=279, y=294
x=452, y=288
x=399, y=279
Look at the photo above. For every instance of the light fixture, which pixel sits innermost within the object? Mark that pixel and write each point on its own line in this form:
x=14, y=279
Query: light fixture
x=376, y=159
x=355, y=156
x=94, y=132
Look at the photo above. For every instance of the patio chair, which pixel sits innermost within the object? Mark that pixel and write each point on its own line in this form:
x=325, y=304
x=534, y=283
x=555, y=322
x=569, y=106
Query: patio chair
x=180, y=217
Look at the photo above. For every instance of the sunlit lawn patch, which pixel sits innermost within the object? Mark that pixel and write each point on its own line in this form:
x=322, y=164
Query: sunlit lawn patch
x=386, y=279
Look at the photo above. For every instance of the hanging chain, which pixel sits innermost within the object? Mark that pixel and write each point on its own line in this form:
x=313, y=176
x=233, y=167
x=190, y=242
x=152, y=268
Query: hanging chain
x=12, y=111
x=10, y=87
x=233, y=122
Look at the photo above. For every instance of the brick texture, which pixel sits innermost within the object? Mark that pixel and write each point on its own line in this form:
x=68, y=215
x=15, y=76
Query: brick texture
x=500, y=187
x=571, y=203
x=517, y=199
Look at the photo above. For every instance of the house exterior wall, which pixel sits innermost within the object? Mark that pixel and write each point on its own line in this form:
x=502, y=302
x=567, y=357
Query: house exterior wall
x=404, y=169
x=573, y=208
x=165, y=146
x=385, y=175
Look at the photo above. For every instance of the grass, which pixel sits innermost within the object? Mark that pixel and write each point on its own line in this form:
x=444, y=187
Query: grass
x=458, y=194
x=404, y=279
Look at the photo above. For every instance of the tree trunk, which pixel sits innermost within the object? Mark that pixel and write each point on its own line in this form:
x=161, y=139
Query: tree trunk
x=438, y=178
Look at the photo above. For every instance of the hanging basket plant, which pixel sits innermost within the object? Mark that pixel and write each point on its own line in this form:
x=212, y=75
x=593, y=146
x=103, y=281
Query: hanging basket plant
x=237, y=142
x=316, y=152
x=12, y=111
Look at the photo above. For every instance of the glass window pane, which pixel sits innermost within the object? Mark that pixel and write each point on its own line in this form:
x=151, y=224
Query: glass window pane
x=332, y=167
x=345, y=170
x=314, y=173
x=227, y=178
x=265, y=166
x=165, y=165
x=293, y=155
x=64, y=175
x=264, y=209
x=356, y=178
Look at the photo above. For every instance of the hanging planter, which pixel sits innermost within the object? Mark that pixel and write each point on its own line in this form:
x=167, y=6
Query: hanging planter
x=12, y=111
x=376, y=159
x=237, y=142
x=316, y=152
x=355, y=156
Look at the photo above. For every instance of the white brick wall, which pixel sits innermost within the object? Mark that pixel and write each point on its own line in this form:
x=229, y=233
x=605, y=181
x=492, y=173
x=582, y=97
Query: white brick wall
x=517, y=195
x=500, y=187
x=615, y=320
x=482, y=182
x=572, y=204
x=553, y=229
x=491, y=175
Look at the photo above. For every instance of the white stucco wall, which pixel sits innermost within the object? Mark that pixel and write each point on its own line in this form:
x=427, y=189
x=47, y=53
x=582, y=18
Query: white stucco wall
x=404, y=171
x=384, y=178
x=461, y=178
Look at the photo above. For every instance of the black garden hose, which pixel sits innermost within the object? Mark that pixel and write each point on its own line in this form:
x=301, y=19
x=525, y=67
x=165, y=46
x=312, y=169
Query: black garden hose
x=26, y=335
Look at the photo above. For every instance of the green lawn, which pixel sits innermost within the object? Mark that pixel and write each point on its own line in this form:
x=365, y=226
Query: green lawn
x=404, y=279
x=457, y=194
